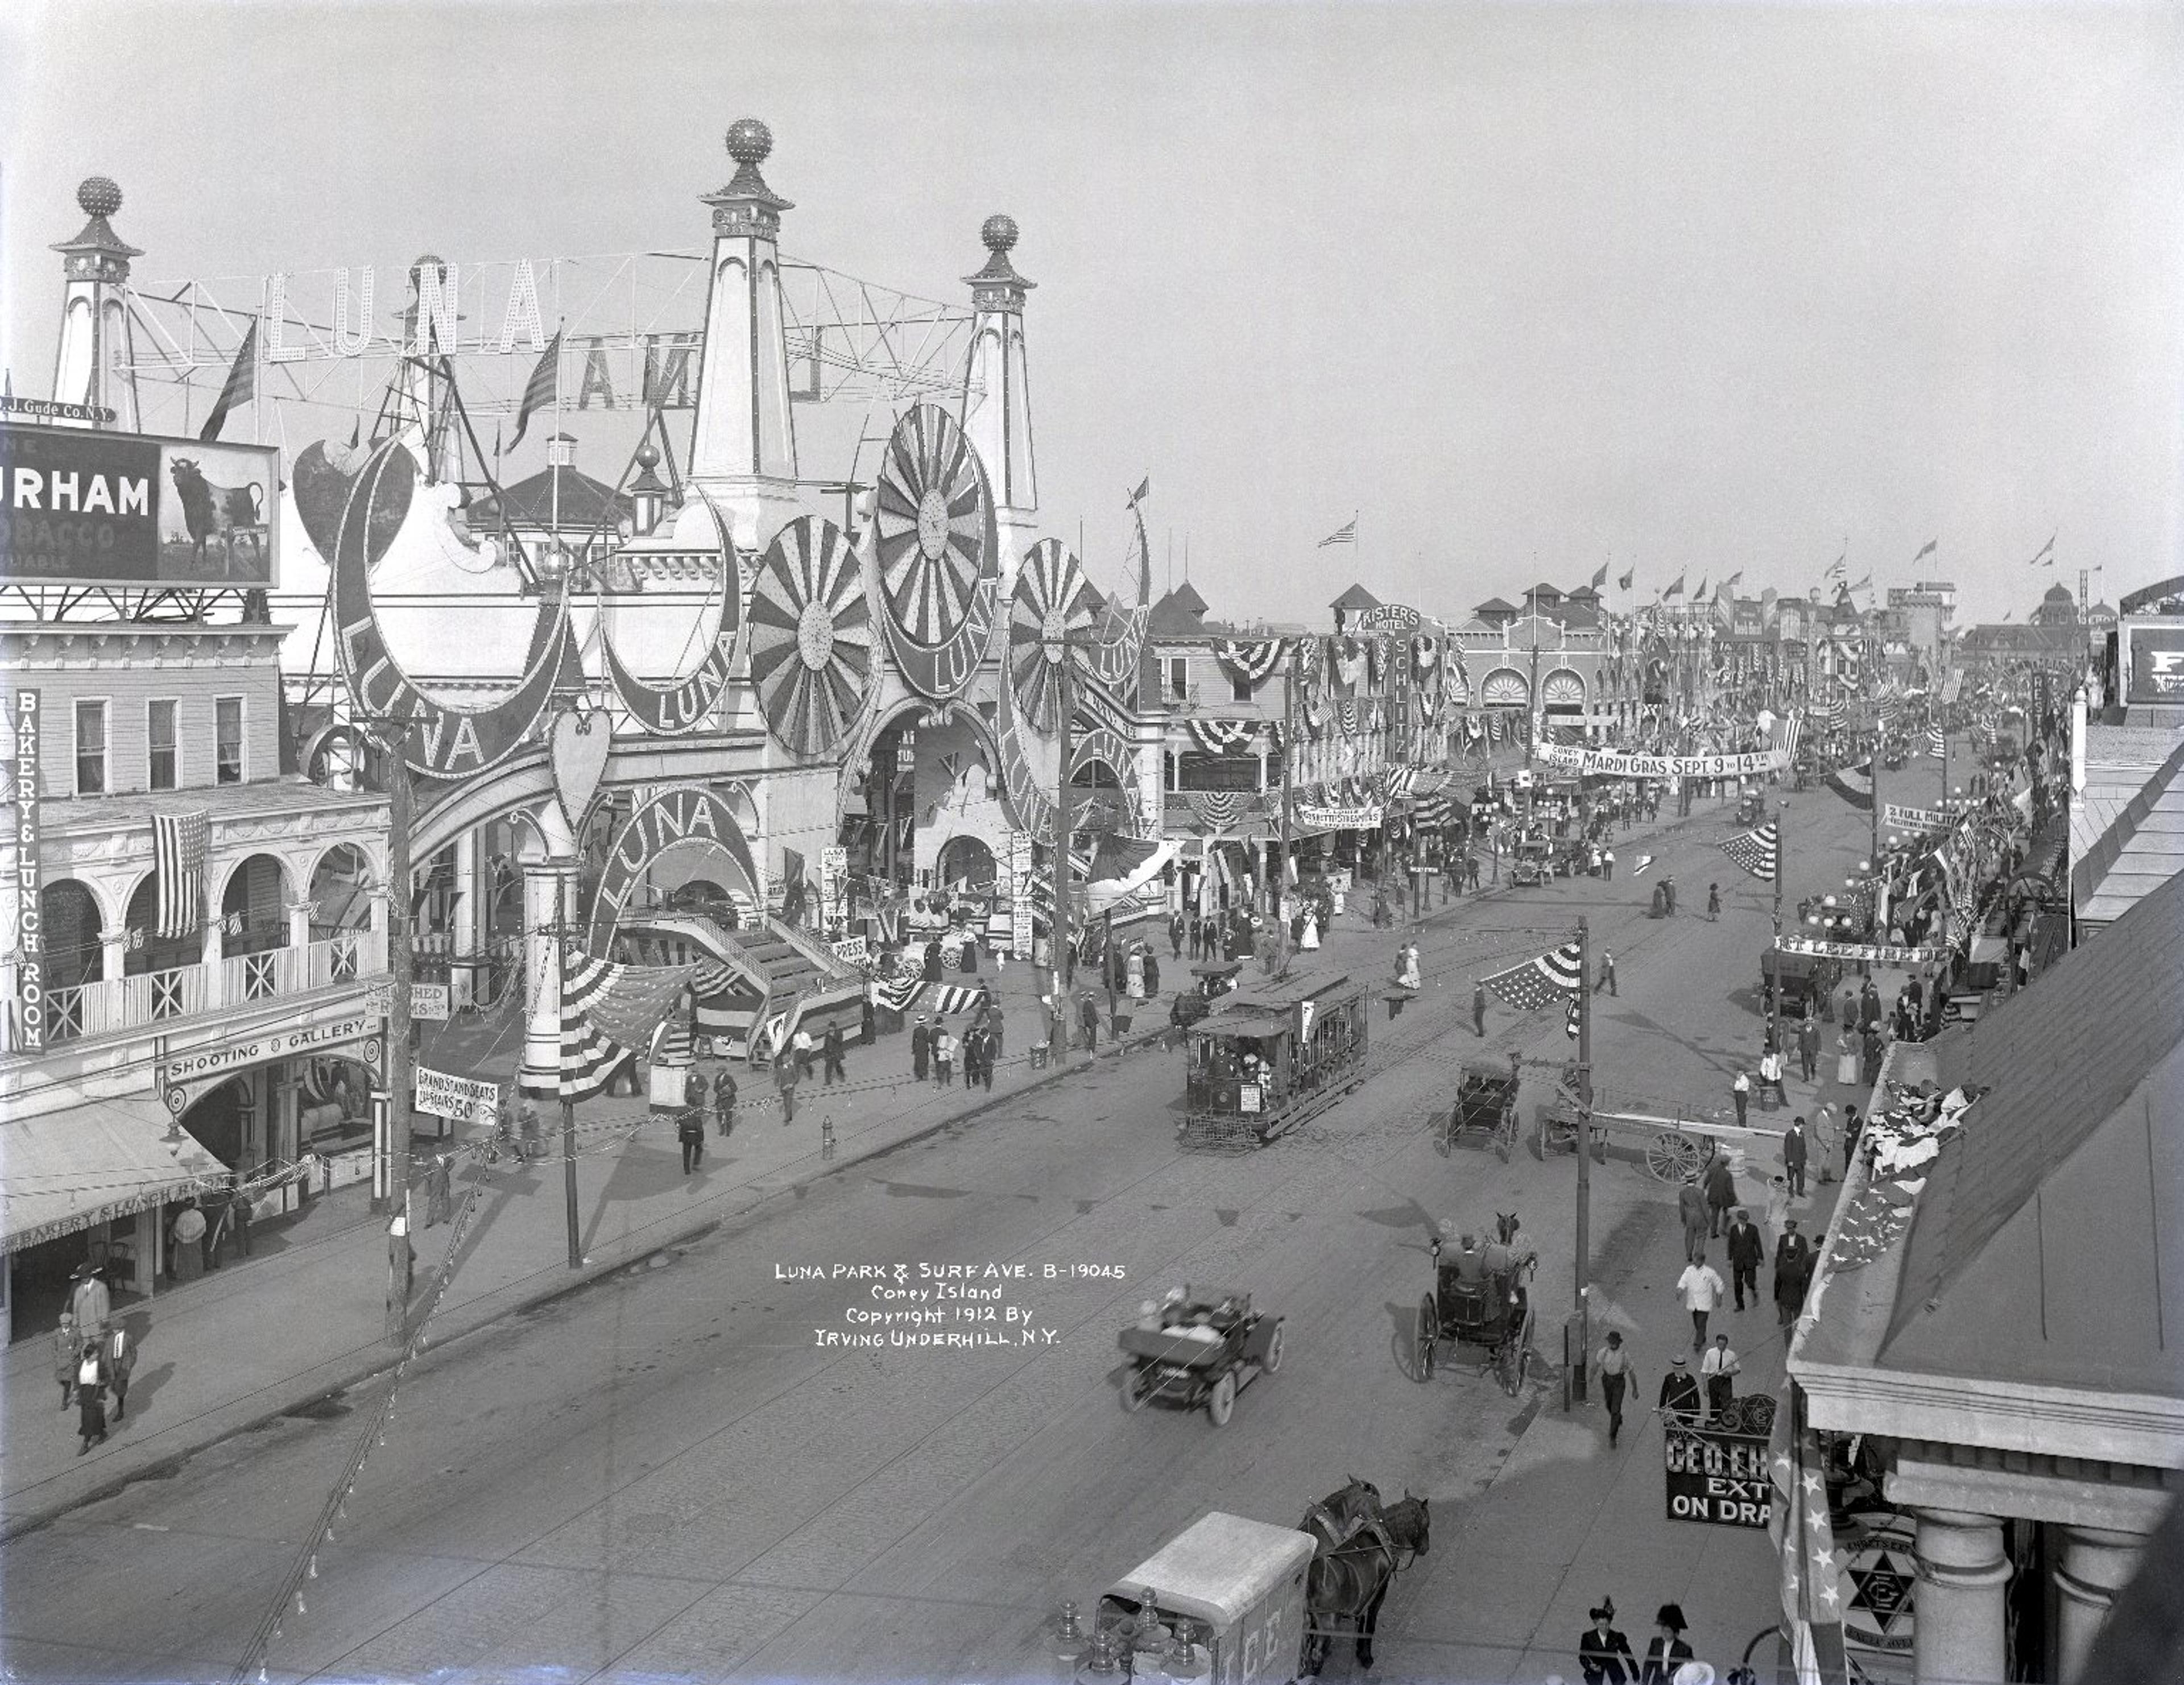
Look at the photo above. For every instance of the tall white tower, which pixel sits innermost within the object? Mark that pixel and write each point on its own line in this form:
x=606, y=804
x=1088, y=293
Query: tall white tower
x=997, y=395
x=97, y=361
x=743, y=451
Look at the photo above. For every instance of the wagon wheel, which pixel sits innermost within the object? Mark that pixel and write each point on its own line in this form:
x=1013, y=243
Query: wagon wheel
x=1672, y=1156
x=1134, y=1394
x=1508, y=1361
x=1221, y=1403
x=1540, y=1137
x=1272, y=1360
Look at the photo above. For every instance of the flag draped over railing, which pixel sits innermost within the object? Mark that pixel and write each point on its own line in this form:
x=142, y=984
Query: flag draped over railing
x=178, y=859
x=1759, y=852
x=1539, y=981
x=608, y=1011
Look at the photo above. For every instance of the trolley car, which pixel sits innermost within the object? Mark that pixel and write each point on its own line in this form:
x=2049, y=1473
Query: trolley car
x=1269, y=1057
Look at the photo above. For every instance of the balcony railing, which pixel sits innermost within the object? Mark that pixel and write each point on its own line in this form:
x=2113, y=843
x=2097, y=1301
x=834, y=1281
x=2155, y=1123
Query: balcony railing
x=108, y=1008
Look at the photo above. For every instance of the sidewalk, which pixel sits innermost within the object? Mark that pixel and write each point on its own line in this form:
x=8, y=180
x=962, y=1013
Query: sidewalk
x=306, y=1315
x=1566, y=1522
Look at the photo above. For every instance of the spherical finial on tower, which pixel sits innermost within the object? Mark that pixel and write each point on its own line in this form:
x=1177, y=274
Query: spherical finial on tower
x=98, y=195
x=999, y=233
x=749, y=141
x=648, y=457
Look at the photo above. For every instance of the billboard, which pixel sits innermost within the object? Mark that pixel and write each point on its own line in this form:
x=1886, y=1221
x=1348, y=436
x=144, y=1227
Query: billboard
x=2156, y=655
x=83, y=507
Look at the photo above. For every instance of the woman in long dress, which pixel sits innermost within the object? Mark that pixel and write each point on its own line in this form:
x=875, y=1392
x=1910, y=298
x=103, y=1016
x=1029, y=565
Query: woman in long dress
x=1309, y=940
x=1846, y=1058
x=1136, y=971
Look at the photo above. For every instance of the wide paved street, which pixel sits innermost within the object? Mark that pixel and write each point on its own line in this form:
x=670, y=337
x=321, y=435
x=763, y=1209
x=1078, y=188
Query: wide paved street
x=666, y=1474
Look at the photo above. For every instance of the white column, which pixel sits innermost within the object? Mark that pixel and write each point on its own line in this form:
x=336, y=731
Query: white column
x=210, y=953
x=547, y=856
x=1958, y=1636
x=113, y=954
x=299, y=930
x=2095, y=1565
x=372, y=961
x=466, y=938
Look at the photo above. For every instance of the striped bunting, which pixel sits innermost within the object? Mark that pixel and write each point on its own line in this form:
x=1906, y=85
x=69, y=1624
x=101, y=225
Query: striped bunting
x=1759, y=852
x=1937, y=741
x=1250, y=663
x=607, y=1011
x=1536, y=981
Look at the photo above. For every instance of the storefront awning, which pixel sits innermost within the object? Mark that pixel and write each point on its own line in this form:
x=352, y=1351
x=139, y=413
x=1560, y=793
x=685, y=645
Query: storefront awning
x=63, y=1170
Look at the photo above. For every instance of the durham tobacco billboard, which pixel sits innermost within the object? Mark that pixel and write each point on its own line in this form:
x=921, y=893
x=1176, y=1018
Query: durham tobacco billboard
x=79, y=507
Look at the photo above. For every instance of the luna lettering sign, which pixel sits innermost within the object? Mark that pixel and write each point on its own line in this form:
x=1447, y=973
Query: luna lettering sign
x=1717, y=1479
x=439, y=741
x=671, y=710
x=679, y=815
x=1615, y=764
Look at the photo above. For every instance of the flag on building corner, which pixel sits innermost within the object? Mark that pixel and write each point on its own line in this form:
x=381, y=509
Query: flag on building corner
x=1538, y=981
x=544, y=388
x=178, y=862
x=242, y=386
x=1797, y=1521
x=1930, y=546
x=1759, y=852
x=1624, y=582
x=1346, y=534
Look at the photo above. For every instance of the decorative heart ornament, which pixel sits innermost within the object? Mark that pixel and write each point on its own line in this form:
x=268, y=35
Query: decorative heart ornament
x=581, y=743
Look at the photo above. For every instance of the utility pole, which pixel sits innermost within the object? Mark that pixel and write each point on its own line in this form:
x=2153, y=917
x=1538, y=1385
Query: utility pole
x=1584, y=1277
x=1781, y=872
x=391, y=1146
x=560, y=930
x=1879, y=750
x=1288, y=751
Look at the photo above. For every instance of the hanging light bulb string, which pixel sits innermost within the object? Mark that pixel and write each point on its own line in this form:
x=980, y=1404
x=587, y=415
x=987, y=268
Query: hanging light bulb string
x=321, y=1533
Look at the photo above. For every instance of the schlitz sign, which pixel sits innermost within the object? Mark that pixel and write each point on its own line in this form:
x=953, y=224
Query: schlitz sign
x=439, y=741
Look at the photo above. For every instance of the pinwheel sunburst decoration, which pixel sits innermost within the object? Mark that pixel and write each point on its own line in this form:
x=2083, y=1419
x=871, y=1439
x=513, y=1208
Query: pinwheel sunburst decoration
x=938, y=546
x=1052, y=603
x=811, y=637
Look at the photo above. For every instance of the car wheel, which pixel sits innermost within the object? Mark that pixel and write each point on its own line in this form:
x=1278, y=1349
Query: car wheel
x=1222, y=1404
x=1273, y=1358
x=1135, y=1392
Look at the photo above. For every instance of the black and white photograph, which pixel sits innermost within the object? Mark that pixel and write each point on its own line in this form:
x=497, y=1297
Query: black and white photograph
x=1091, y=842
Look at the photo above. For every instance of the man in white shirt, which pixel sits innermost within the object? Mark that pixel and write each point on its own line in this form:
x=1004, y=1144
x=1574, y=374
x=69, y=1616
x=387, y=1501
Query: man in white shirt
x=1701, y=1289
x=1716, y=1372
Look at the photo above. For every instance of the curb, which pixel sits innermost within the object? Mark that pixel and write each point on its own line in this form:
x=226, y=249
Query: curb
x=170, y=1460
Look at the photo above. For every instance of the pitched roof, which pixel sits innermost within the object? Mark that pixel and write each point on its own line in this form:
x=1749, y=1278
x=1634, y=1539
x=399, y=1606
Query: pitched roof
x=1185, y=596
x=2049, y=1242
x=530, y=502
x=1176, y=616
x=1357, y=596
x=1494, y=605
x=1545, y=593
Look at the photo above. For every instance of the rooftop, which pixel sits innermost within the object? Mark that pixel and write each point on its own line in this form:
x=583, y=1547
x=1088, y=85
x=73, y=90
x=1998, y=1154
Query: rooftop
x=291, y=793
x=2127, y=825
x=584, y=503
x=1357, y=596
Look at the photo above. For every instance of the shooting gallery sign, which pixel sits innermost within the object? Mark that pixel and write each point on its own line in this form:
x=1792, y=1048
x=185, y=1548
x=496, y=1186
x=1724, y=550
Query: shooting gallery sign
x=1615, y=764
x=675, y=816
x=1718, y=1479
x=79, y=506
x=440, y=741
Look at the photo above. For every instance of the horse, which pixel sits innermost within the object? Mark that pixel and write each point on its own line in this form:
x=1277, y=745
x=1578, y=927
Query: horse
x=1349, y=1577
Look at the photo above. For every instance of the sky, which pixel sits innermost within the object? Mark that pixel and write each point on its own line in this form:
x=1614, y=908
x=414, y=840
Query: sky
x=1526, y=290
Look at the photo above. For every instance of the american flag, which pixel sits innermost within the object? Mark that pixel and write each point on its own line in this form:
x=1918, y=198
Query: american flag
x=178, y=860
x=1536, y=981
x=1804, y=1536
x=608, y=1011
x=1937, y=741
x=1756, y=851
x=1346, y=534
x=1787, y=730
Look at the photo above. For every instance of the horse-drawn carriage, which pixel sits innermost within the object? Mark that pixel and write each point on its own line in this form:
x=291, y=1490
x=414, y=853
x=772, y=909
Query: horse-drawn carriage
x=1801, y=978
x=1232, y=1601
x=1266, y=1058
x=1480, y=1300
x=1485, y=1105
x=1198, y=1349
